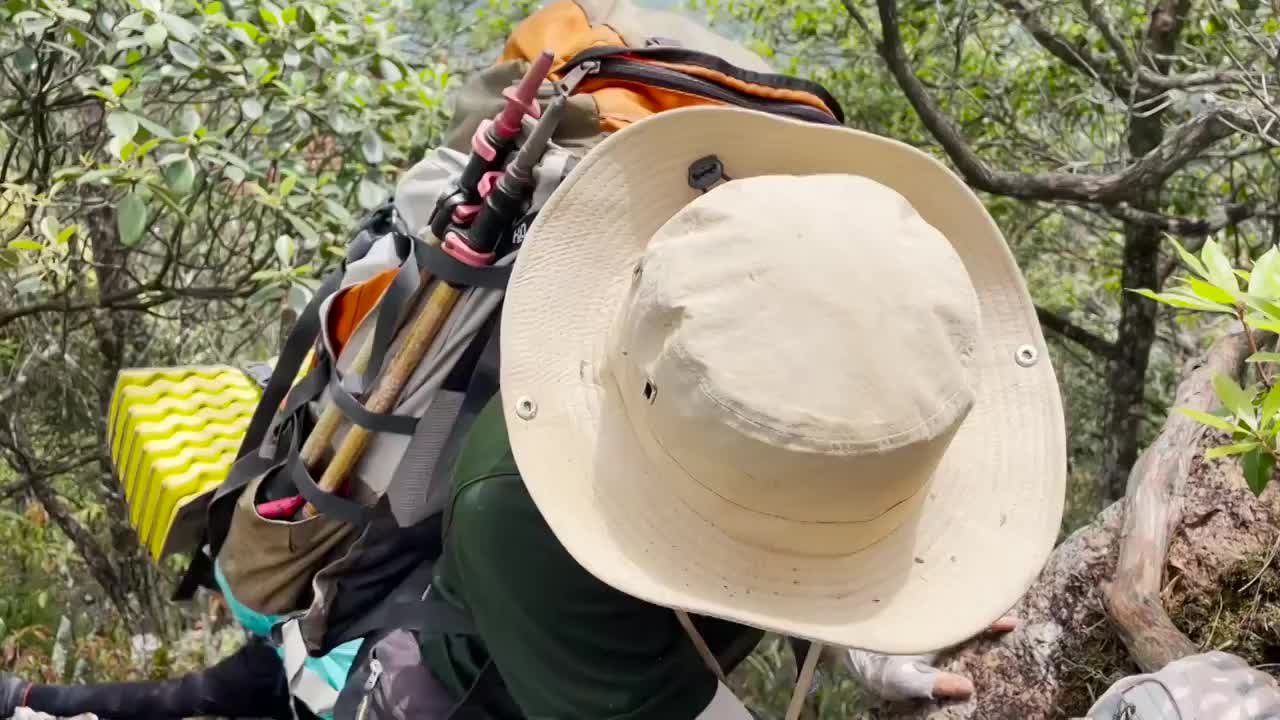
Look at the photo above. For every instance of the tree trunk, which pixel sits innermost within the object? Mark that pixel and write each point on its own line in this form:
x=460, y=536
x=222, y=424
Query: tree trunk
x=1137, y=332
x=1219, y=590
x=114, y=330
x=1127, y=374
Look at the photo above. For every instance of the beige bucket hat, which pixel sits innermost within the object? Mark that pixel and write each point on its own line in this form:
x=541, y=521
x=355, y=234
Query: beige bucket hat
x=814, y=400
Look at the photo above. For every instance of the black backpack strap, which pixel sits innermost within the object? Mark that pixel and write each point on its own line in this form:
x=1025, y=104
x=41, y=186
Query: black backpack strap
x=484, y=384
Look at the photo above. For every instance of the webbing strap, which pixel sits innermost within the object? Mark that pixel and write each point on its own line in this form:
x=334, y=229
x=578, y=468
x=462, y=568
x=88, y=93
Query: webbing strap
x=365, y=418
x=348, y=511
x=304, y=683
x=410, y=486
x=391, y=306
x=480, y=389
x=451, y=270
x=300, y=338
x=425, y=616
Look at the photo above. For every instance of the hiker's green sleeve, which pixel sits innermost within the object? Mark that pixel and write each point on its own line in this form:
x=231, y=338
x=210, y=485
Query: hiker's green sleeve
x=566, y=645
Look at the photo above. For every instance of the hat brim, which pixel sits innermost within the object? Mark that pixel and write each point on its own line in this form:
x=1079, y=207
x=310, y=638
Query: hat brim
x=993, y=507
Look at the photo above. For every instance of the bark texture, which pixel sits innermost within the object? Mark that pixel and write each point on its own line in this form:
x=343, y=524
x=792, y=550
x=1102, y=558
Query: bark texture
x=1218, y=582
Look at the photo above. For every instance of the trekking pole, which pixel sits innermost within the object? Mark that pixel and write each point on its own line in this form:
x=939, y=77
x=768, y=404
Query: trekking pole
x=491, y=143
x=317, y=442
x=469, y=248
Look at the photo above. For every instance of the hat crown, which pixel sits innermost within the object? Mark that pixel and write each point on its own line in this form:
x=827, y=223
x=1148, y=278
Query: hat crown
x=800, y=346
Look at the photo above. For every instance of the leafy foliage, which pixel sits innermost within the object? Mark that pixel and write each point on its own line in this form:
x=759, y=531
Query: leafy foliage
x=1250, y=414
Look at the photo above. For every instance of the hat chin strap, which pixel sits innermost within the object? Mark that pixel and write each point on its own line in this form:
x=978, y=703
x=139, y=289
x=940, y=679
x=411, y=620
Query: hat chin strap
x=724, y=706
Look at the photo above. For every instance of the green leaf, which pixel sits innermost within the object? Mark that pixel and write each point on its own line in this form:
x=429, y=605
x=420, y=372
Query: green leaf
x=122, y=124
x=286, y=185
x=303, y=227
x=25, y=244
x=1235, y=398
x=25, y=60
x=1226, y=450
x=1267, y=307
x=74, y=15
x=390, y=71
x=118, y=87
x=299, y=296
x=50, y=227
x=1257, y=466
x=29, y=285
x=1259, y=323
x=179, y=27
x=67, y=232
x=250, y=30
x=190, y=121
x=268, y=17
x=1210, y=292
x=1264, y=356
x=256, y=67
x=1264, y=279
x=1219, y=267
x=155, y=128
x=289, y=14
x=181, y=176
x=133, y=21
x=131, y=219
x=213, y=8
x=1209, y=419
x=371, y=146
x=252, y=108
x=1271, y=403
x=371, y=194
x=1189, y=302
x=285, y=247
x=1271, y=26
x=184, y=55
x=155, y=36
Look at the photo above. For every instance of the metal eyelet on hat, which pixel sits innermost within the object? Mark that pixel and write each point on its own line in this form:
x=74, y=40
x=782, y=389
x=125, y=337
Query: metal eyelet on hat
x=526, y=408
x=1027, y=356
x=707, y=172
x=650, y=392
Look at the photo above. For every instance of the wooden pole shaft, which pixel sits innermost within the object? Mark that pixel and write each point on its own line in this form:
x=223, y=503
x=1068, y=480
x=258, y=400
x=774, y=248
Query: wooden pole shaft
x=317, y=443
x=422, y=332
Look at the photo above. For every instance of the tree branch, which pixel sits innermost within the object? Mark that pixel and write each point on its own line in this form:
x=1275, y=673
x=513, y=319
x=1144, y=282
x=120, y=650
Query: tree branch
x=1098, y=16
x=1182, y=145
x=1216, y=220
x=1153, y=512
x=1076, y=55
x=1063, y=327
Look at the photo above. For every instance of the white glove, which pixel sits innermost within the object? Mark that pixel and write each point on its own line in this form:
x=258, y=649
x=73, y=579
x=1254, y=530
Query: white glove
x=912, y=677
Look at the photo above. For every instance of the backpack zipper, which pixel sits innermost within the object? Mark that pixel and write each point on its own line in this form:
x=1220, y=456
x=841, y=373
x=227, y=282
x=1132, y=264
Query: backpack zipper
x=375, y=673
x=624, y=69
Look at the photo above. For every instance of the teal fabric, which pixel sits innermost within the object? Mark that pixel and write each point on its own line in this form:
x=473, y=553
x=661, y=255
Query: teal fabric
x=333, y=668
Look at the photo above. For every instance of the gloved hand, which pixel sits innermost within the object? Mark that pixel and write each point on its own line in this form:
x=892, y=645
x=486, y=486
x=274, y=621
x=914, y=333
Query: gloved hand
x=912, y=677
x=13, y=690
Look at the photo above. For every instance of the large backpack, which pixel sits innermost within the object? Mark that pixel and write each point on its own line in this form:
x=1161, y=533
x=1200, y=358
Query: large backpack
x=361, y=568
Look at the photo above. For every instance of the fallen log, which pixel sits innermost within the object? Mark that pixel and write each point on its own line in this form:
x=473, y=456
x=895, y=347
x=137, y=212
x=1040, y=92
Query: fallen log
x=1189, y=566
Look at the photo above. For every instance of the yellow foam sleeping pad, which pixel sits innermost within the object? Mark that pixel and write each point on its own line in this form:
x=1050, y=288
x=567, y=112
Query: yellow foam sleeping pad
x=173, y=433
